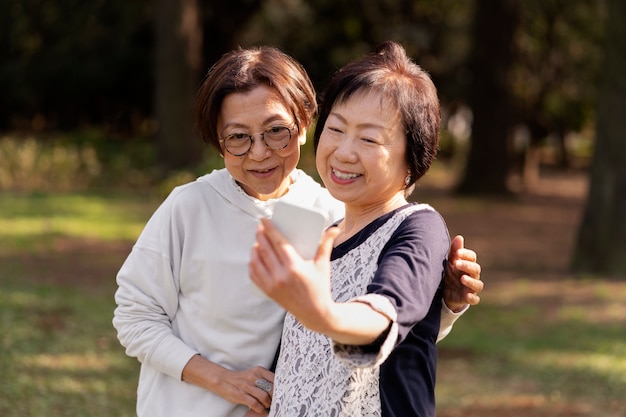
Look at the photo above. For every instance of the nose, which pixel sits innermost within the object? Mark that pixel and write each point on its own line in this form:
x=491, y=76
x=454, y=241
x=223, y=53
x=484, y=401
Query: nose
x=344, y=149
x=258, y=150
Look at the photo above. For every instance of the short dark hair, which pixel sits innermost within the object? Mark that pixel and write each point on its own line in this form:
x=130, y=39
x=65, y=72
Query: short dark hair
x=406, y=84
x=241, y=70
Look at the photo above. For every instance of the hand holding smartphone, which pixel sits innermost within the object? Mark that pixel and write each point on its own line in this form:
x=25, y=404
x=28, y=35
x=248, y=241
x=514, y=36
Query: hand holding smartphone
x=301, y=226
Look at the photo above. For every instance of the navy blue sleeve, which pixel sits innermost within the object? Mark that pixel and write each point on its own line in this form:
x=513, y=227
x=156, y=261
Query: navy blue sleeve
x=411, y=268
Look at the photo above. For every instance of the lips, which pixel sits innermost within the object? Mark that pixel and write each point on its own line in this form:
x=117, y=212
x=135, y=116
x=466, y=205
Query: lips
x=343, y=176
x=262, y=173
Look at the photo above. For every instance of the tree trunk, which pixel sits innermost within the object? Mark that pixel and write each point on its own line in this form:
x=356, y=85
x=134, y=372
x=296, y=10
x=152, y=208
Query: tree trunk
x=495, y=23
x=601, y=245
x=178, y=33
x=223, y=23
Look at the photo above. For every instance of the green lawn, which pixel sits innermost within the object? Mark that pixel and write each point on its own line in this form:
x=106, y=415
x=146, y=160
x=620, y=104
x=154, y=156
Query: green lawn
x=60, y=356
x=539, y=344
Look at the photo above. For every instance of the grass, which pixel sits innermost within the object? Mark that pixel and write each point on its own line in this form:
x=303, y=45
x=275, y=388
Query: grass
x=33, y=221
x=536, y=345
x=563, y=356
x=60, y=355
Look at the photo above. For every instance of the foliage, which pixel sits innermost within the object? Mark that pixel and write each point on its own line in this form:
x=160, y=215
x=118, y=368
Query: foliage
x=559, y=55
x=324, y=35
x=68, y=63
x=27, y=165
x=88, y=159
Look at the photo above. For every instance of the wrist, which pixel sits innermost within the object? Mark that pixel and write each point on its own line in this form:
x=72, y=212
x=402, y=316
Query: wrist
x=455, y=307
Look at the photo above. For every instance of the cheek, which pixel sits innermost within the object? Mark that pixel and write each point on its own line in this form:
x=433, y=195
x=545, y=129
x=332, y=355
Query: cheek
x=233, y=165
x=291, y=156
x=321, y=157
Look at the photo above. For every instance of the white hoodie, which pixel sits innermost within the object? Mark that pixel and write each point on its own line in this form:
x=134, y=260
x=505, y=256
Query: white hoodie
x=184, y=289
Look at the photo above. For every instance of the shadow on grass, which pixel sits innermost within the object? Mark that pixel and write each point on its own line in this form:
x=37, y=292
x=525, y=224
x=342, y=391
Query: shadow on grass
x=541, y=356
x=60, y=355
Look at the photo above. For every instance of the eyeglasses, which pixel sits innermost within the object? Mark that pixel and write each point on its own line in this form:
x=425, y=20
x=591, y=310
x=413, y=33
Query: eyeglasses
x=275, y=138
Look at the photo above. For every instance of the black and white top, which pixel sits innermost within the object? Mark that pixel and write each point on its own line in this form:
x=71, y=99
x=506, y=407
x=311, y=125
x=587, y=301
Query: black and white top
x=396, y=265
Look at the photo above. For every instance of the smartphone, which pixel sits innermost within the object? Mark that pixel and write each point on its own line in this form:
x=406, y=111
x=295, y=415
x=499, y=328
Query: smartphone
x=302, y=226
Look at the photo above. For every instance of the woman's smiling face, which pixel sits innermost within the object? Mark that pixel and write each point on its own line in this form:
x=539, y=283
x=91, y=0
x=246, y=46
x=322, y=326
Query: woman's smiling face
x=361, y=151
x=262, y=173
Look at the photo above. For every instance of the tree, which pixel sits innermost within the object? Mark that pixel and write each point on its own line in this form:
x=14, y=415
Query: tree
x=224, y=22
x=69, y=64
x=554, y=78
x=601, y=243
x=178, y=33
x=495, y=25
x=189, y=37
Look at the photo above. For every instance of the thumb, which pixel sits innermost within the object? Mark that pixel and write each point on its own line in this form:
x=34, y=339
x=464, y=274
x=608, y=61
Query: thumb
x=457, y=243
x=326, y=243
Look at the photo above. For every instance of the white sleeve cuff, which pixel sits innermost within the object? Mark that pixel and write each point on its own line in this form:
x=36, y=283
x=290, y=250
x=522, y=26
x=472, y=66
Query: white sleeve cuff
x=171, y=356
x=358, y=356
x=448, y=318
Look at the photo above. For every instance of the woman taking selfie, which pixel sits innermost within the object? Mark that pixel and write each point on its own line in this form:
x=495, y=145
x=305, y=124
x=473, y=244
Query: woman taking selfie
x=364, y=315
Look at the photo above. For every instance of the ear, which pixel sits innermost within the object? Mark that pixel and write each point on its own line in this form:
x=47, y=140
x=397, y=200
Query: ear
x=302, y=137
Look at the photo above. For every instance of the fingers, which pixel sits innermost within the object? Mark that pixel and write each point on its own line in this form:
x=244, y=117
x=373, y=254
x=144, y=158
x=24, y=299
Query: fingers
x=467, y=255
x=259, y=387
x=326, y=244
x=260, y=401
x=458, y=251
x=457, y=243
x=463, y=278
x=473, y=288
x=472, y=299
x=271, y=240
x=470, y=268
x=473, y=284
x=265, y=257
x=252, y=413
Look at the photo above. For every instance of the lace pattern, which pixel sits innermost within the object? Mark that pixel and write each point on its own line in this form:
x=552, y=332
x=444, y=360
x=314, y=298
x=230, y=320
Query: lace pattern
x=310, y=379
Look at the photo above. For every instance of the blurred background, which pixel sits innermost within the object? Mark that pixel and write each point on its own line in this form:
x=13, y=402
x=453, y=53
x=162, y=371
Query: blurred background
x=96, y=102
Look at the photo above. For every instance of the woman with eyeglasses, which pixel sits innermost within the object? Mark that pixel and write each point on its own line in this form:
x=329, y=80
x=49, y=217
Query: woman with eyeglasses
x=205, y=335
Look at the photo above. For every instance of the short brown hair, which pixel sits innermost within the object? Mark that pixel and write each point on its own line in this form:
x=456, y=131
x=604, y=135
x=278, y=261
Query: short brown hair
x=241, y=70
x=397, y=77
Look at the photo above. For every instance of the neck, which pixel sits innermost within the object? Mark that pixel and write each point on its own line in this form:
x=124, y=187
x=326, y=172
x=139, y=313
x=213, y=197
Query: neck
x=357, y=217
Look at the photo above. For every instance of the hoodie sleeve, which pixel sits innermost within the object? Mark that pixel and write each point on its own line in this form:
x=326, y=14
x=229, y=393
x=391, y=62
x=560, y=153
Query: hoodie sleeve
x=147, y=298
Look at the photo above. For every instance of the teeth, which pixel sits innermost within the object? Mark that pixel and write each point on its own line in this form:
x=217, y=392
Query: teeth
x=344, y=175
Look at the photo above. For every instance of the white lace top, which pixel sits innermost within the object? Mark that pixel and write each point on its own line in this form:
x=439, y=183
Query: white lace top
x=315, y=377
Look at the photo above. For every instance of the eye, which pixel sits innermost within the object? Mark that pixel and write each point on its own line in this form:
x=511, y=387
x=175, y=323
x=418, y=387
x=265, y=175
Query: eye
x=237, y=136
x=276, y=129
x=334, y=129
x=369, y=140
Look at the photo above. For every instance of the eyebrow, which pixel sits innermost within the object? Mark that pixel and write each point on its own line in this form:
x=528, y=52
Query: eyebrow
x=275, y=118
x=364, y=125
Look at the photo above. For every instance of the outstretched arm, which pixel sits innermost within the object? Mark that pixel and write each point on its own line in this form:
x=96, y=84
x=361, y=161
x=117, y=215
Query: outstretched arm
x=302, y=287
